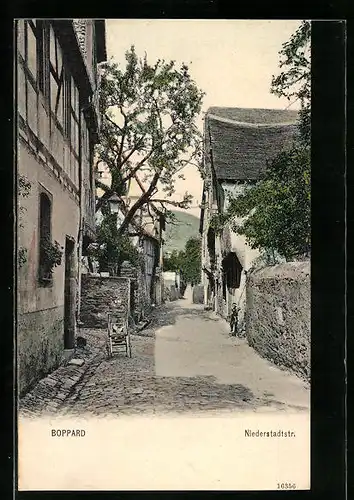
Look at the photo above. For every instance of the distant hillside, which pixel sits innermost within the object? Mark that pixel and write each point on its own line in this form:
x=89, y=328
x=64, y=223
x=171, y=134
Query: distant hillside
x=176, y=236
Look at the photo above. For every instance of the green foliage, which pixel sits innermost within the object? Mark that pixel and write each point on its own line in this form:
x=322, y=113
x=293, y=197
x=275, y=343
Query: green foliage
x=148, y=126
x=112, y=248
x=22, y=256
x=191, y=267
x=267, y=257
x=294, y=82
x=276, y=211
x=51, y=257
x=275, y=214
x=24, y=188
x=187, y=261
x=172, y=262
x=218, y=221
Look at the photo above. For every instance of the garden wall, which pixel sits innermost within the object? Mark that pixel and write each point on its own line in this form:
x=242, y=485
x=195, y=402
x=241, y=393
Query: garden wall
x=278, y=318
x=101, y=295
x=198, y=294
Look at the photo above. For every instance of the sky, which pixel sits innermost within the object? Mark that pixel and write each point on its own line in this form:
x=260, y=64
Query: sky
x=231, y=60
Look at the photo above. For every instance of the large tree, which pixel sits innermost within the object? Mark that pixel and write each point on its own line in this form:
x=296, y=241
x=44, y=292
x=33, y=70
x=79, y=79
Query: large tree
x=148, y=130
x=191, y=261
x=112, y=248
x=172, y=261
x=294, y=81
x=276, y=212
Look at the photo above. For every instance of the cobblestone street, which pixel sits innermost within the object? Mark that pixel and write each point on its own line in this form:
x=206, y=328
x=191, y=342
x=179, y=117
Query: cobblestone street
x=185, y=362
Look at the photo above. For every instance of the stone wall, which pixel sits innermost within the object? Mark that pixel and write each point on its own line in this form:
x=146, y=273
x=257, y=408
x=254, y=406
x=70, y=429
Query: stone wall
x=40, y=345
x=278, y=319
x=99, y=296
x=170, y=293
x=144, y=299
x=141, y=301
x=198, y=294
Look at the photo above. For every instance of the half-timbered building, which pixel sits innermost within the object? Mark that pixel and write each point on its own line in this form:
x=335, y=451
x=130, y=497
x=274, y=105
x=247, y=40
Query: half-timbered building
x=57, y=82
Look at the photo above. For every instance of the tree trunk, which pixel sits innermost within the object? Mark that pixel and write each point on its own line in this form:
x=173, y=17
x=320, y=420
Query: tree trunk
x=138, y=204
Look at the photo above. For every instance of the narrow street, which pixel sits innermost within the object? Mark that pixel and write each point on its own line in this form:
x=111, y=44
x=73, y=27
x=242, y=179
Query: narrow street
x=186, y=362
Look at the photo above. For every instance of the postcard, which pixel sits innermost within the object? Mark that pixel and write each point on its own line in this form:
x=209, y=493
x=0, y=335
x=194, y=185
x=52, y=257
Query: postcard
x=164, y=248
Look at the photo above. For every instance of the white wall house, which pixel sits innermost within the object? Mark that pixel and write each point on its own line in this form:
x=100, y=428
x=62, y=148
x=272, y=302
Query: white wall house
x=238, y=143
x=57, y=128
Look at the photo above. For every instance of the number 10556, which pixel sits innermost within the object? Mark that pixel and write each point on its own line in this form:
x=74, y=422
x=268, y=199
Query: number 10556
x=286, y=486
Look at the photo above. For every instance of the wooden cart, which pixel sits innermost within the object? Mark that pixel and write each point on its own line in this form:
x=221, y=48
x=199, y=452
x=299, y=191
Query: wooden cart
x=118, y=335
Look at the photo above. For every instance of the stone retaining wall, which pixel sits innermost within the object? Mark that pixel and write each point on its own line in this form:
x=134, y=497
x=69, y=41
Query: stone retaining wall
x=101, y=295
x=198, y=294
x=141, y=301
x=170, y=293
x=278, y=318
x=40, y=344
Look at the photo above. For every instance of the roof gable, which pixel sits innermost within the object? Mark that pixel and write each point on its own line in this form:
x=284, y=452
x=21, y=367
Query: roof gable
x=242, y=140
x=255, y=115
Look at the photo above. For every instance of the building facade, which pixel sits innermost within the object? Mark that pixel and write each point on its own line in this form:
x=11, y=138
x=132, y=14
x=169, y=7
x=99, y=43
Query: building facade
x=238, y=143
x=57, y=125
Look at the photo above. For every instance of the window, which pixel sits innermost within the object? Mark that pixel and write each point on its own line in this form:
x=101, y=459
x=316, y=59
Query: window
x=211, y=245
x=42, y=59
x=21, y=43
x=56, y=69
x=74, y=112
x=85, y=139
x=31, y=46
x=32, y=66
x=45, y=236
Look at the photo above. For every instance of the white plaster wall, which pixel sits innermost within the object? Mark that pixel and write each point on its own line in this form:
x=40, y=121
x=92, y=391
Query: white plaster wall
x=209, y=210
x=246, y=254
x=65, y=221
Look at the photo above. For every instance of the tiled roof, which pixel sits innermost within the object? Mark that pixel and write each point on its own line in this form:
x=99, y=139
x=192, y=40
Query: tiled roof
x=255, y=115
x=242, y=140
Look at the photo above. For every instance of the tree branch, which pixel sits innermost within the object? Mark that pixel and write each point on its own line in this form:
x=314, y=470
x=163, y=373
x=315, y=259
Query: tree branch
x=132, y=151
x=122, y=141
x=140, y=202
x=113, y=123
x=97, y=163
x=137, y=167
x=179, y=204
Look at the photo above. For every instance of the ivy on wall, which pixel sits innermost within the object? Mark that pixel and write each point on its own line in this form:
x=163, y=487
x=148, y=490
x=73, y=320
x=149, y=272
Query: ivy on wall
x=24, y=188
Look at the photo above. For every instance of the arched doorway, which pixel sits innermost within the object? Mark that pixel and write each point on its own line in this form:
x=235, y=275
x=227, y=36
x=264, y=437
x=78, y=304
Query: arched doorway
x=232, y=272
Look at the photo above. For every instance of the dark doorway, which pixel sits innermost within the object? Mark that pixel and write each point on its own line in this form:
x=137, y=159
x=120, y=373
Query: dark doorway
x=69, y=295
x=232, y=269
x=45, y=238
x=211, y=245
x=133, y=287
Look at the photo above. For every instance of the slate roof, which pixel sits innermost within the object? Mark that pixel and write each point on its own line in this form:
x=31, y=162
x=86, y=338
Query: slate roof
x=240, y=141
